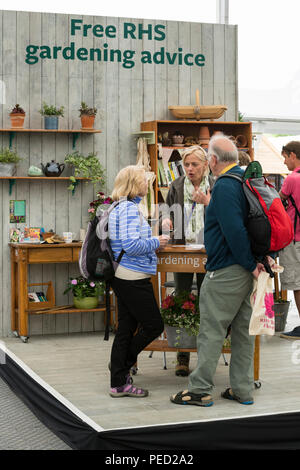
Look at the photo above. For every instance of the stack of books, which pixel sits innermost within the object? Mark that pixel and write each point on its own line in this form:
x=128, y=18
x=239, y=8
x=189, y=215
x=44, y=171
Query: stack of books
x=168, y=172
x=37, y=297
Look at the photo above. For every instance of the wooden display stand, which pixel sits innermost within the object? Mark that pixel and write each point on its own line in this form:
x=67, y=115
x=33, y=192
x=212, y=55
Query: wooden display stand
x=190, y=128
x=21, y=255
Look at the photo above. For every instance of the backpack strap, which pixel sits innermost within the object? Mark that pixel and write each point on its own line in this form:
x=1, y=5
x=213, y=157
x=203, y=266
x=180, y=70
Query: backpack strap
x=230, y=175
x=297, y=213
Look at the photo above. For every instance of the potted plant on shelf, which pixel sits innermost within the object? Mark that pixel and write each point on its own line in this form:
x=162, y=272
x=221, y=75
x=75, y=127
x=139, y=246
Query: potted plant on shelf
x=86, y=293
x=86, y=167
x=8, y=161
x=100, y=201
x=87, y=116
x=17, y=117
x=181, y=316
x=51, y=114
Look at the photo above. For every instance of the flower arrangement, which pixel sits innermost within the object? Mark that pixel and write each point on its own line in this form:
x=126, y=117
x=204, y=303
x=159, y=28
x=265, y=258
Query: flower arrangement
x=82, y=288
x=99, y=201
x=182, y=311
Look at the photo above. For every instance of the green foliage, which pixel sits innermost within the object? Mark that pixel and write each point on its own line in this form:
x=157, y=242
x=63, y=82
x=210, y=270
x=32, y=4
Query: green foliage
x=50, y=110
x=82, y=288
x=182, y=311
x=8, y=156
x=84, y=109
x=85, y=167
x=241, y=117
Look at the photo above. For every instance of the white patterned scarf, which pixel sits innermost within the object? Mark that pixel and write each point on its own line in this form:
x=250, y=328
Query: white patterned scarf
x=193, y=217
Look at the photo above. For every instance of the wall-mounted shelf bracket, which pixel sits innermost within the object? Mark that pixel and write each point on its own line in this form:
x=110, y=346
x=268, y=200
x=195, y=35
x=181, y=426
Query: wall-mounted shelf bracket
x=11, y=183
x=75, y=137
x=149, y=136
x=11, y=138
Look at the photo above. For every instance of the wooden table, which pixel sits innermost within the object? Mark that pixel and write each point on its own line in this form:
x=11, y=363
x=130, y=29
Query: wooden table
x=23, y=254
x=184, y=258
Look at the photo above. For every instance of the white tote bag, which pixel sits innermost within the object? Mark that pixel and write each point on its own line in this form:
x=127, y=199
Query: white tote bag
x=262, y=320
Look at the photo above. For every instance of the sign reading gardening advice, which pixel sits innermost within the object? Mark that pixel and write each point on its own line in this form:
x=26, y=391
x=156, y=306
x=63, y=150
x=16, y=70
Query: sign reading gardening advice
x=104, y=53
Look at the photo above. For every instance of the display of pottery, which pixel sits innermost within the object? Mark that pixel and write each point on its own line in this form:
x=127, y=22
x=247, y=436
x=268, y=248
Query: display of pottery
x=198, y=112
x=241, y=141
x=177, y=139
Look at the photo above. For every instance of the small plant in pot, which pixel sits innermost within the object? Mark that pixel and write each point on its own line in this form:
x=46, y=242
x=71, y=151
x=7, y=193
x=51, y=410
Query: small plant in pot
x=181, y=316
x=87, y=116
x=86, y=293
x=85, y=167
x=8, y=161
x=51, y=114
x=17, y=116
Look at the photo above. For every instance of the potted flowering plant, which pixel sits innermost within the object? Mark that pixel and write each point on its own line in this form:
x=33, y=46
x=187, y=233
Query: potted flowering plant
x=181, y=315
x=100, y=200
x=86, y=293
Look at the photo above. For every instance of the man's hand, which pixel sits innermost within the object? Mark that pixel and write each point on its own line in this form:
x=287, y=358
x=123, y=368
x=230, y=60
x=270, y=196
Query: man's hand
x=259, y=268
x=201, y=198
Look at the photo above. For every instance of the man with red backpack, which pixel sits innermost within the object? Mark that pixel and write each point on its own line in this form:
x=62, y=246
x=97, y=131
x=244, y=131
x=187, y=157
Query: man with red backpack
x=290, y=256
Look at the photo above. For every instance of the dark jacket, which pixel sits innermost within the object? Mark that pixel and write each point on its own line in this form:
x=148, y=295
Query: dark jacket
x=225, y=235
x=176, y=196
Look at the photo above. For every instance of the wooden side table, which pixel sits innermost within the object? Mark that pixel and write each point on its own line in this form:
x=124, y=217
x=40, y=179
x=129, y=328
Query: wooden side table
x=23, y=254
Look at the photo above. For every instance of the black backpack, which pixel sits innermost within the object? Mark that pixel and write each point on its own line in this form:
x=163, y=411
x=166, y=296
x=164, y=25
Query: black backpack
x=96, y=260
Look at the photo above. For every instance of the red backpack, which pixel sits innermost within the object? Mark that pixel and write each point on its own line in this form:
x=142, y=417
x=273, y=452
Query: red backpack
x=269, y=227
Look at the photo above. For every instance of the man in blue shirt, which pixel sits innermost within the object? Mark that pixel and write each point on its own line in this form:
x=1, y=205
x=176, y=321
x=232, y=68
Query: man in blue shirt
x=226, y=289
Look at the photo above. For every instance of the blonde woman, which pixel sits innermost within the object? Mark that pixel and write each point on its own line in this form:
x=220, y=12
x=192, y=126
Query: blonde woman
x=190, y=194
x=130, y=234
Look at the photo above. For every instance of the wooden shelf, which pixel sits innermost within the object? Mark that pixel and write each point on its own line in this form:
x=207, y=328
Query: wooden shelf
x=66, y=309
x=53, y=131
x=13, y=179
x=162, y=345
x=74, y=132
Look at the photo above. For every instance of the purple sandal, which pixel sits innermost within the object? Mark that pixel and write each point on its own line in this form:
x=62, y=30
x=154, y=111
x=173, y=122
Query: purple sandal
x=128, y=390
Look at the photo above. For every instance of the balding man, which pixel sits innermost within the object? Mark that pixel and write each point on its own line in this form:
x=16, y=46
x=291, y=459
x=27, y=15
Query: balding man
x=226, y=289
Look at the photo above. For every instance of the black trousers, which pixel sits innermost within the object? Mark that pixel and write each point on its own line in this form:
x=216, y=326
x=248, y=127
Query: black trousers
x=137, y=308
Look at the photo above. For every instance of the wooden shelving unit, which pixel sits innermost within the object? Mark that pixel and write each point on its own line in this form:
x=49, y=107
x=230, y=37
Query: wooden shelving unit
x=192, y=128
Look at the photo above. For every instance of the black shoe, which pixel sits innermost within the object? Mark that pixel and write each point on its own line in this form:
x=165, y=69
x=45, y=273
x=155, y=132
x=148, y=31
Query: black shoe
x=295, y=334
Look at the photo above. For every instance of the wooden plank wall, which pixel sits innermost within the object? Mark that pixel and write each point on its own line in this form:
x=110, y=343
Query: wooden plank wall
x=124, y=98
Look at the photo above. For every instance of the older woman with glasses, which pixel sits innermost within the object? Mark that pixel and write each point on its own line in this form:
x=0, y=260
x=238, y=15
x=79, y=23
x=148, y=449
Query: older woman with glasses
x=189, y=195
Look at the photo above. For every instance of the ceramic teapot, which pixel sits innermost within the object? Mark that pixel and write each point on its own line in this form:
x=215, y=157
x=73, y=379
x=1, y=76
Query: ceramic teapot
x=53, y=168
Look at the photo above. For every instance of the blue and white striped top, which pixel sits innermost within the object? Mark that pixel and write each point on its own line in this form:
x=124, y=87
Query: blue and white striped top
x=128, y=230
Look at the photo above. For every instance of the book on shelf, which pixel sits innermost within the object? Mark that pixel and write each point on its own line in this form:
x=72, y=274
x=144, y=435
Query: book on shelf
x=171, y=171
x=36, y=297
x=161, y=171
x=32, y=297
x=175, y=170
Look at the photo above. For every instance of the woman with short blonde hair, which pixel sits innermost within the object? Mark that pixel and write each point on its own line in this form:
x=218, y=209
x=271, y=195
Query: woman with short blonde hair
x=128, y=182
x=135, y=248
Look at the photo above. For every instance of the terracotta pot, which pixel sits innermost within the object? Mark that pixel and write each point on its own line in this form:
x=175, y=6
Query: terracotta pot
x=17, y=120
x=204, y=133
x=87, y=122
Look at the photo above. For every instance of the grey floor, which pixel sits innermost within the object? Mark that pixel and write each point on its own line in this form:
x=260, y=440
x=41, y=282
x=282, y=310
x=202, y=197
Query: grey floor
x=76, y=367
x=20, y=429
